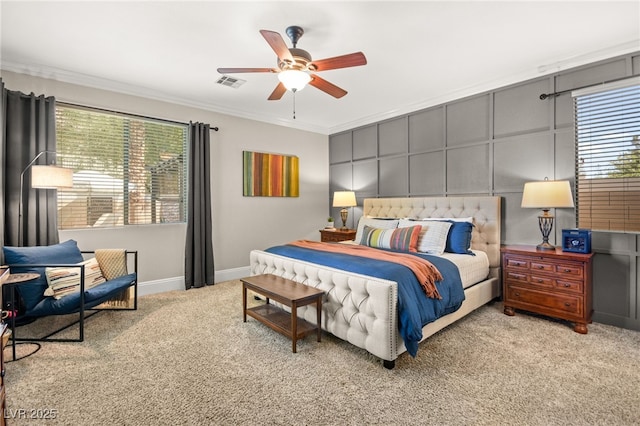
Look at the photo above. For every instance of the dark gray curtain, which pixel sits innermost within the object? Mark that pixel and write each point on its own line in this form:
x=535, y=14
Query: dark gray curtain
x=199, y=270
x=28, y=128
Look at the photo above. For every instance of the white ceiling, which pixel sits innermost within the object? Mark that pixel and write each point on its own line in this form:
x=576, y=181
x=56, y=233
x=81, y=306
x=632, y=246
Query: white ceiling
x=420, y=53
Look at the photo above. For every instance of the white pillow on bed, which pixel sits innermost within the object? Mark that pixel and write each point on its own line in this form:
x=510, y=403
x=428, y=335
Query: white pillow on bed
x=433, y=238
x=374, y=223
x=452, y=219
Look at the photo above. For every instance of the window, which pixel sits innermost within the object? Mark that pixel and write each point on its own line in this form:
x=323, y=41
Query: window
x=127, y=170
x=608, y=156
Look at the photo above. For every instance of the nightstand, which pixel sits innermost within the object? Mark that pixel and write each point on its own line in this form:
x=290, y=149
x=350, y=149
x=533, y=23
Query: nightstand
x=552, y=283
x=336, y=235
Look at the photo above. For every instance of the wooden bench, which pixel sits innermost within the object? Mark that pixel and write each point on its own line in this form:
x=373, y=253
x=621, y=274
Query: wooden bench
x=289, y=293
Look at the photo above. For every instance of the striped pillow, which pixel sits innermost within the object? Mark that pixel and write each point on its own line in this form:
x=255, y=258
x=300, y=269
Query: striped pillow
x=66, y=280
x=400, y=239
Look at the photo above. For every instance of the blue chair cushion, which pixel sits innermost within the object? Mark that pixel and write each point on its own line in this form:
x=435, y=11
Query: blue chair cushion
x=70, y=303
x=32, y=292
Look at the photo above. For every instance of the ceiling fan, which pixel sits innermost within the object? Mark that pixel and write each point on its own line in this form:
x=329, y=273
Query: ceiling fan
x=296, y=68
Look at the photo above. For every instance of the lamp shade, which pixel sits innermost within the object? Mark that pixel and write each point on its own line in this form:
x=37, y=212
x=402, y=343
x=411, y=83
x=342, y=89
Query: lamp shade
x=344, y=199
x=547, y=194
x=51, y=177
x=294, y=80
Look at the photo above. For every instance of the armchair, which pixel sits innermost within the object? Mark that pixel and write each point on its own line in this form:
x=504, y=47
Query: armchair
x=68, y=284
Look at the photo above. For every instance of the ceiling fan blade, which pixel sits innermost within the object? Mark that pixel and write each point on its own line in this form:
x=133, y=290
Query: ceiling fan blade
x=277, y=92
x=327, y=87
x=344, y=61
x=277, y=43
x=239, y=70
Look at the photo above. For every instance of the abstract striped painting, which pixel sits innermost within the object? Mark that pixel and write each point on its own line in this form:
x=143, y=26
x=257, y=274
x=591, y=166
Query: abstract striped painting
x=270, y=175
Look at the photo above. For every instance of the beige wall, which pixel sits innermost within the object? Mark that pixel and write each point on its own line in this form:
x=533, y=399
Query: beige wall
x=240, y=223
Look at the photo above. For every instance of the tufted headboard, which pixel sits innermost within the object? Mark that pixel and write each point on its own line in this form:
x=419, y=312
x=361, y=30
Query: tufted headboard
x=484, y=210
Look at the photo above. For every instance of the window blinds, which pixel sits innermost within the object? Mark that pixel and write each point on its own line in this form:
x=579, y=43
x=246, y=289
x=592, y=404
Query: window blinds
x=127, y=170
x=607, y=126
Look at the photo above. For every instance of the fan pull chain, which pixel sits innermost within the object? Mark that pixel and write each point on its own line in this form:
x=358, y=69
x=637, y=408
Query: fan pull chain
x=294, y=103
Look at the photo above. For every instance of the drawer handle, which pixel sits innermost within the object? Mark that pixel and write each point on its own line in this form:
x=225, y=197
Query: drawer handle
x=540, y=280
x=517, y=294
x=567, y=304
x=567, y=270
x=567, y=285
x=540, y=267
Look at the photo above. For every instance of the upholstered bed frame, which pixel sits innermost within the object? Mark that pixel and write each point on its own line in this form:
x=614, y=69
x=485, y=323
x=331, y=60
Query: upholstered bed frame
x=363, y=310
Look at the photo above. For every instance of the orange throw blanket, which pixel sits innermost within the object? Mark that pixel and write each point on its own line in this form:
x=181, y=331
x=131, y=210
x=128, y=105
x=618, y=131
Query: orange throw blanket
x=424, y=270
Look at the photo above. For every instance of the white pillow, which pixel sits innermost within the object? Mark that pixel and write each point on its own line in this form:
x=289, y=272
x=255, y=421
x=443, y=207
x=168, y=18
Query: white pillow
x=452, y=219
x=433, y=238
x=374, y=223
x=66, y=280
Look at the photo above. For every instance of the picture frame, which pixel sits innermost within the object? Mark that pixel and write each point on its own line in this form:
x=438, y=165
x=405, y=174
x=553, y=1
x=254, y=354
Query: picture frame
x=270, y=175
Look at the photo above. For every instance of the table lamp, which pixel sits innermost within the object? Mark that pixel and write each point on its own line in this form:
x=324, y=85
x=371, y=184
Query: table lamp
x=545, y=195
x=344, y=199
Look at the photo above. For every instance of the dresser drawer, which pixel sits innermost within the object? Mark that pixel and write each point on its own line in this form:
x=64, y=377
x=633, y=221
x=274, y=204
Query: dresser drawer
x=571, y=271
x=536, y=299
x=571, y=286
x=542, y=266
x=522, y=277
x=516, y=263
x=542, y=281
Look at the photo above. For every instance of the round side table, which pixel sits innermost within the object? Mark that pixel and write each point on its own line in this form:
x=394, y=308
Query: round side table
x=15, y=280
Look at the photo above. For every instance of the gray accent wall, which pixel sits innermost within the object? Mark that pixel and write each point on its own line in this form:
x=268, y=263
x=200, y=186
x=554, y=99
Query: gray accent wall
x=491, y=144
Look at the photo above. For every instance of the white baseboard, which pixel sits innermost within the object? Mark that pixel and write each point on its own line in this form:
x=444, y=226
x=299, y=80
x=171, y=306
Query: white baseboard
x=232, y=274
x=160, y=286
x=177, y=283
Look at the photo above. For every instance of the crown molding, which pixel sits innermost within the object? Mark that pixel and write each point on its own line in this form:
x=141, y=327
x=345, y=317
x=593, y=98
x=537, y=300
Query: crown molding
x=115, y=86
x=93, y=82
x=632, y=46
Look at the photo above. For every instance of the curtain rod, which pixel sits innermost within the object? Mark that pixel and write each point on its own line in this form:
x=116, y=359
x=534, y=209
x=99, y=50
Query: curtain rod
x=215, y=129
x=548, y=95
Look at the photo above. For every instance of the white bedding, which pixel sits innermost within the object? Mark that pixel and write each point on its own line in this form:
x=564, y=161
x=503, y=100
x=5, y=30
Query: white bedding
x=473, y=269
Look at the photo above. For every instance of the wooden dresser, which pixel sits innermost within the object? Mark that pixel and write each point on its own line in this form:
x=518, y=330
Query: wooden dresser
x=336, y=235
x=553, y=283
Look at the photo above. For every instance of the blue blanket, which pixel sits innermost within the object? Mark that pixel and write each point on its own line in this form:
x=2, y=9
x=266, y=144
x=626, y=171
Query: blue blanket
x=415, y=309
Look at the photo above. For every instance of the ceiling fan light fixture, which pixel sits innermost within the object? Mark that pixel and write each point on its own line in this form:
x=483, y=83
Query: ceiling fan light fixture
x=294, y=80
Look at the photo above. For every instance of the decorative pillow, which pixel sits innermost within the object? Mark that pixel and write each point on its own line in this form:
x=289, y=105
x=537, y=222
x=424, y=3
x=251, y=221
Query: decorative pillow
x=400, y=239
x=433, y=237
x=459, y=238
x=66, y=280
x=32, y=292
x=379, y=223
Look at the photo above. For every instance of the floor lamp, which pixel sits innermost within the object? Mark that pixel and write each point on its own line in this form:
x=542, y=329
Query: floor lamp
x=49, y=176
x=545, y=195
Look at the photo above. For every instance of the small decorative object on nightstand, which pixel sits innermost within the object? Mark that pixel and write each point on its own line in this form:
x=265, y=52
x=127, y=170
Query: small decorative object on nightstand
x=576, y=240
x=553, y=283
x=336, y=235
x=330, y=223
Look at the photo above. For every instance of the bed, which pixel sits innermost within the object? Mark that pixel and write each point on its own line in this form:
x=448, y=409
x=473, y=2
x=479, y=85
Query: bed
x=363, y=309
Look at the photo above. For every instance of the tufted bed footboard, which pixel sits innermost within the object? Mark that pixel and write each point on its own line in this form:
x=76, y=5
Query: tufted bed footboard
x=359, y=309
x=362, y=310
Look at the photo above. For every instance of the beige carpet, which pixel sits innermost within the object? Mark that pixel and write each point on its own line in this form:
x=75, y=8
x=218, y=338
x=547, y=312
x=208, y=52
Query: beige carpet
x=186, y=358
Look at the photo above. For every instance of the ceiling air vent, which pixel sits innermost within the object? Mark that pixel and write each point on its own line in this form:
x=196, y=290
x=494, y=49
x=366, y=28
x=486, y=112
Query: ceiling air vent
x=225, y=80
